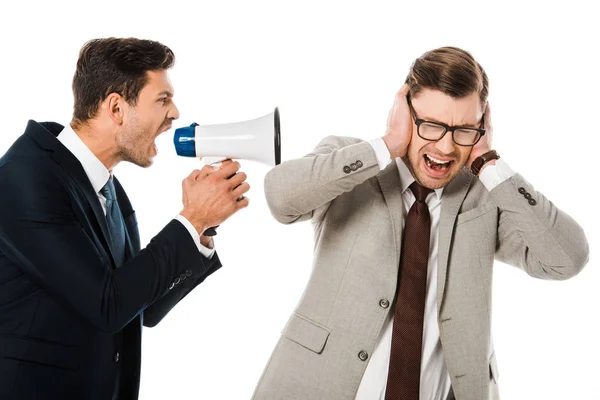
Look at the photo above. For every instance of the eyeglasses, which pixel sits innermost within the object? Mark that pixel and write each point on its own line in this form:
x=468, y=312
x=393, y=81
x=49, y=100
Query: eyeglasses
x=434, y=131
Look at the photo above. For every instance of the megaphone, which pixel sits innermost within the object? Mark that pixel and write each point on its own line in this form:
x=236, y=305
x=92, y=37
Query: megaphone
x=257, y=140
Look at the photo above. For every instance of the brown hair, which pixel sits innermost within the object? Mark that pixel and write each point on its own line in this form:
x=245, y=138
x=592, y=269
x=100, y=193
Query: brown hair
x=114, y=65
x=450, y=70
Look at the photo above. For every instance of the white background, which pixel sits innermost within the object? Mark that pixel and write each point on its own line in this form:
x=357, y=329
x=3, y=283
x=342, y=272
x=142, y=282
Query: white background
x=333, y=68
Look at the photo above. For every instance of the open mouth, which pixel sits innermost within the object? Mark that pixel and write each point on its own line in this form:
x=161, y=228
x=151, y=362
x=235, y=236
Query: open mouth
x=166, y=128
x=436, y=165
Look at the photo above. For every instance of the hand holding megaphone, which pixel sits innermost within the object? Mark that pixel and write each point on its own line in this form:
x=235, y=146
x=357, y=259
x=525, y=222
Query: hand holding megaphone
x=211, y=195
x=258, y=140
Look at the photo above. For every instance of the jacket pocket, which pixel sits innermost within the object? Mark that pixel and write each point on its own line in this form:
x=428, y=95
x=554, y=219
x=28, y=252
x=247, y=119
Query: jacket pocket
x=40, y=351
x=475, y=212
x=306, y=333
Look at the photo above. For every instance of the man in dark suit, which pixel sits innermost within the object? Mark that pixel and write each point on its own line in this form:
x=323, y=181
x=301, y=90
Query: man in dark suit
x=75, y=288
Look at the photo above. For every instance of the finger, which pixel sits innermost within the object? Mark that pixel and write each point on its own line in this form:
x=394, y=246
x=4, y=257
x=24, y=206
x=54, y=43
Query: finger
x=229, y=169
x=403, y=90
x=237, y=179
x=194, y=174
x=488, y=116
x=240, y=190
x=204, y=172
x=401, y=97
x=243, y=203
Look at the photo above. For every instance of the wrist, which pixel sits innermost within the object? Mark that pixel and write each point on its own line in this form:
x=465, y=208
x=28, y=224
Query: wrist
x=206, y=241
x=198, y=224
x=485, y=159
x=487, y=164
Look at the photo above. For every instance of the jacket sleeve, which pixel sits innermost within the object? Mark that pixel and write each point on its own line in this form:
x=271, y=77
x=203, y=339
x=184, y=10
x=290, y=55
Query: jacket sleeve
x=302, y=189
x=534, y=235
x=160, y=308
x=39, y=232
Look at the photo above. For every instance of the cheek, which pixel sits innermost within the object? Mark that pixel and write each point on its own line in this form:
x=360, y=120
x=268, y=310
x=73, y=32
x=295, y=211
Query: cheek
x=464, y=152
x=417, y=144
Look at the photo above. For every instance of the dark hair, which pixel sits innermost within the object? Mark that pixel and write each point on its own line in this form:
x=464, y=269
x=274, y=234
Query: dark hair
x=114, y=65
x=451, y=70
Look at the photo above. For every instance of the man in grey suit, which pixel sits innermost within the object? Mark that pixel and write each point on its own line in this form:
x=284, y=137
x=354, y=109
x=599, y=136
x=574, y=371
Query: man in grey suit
x=407, y=226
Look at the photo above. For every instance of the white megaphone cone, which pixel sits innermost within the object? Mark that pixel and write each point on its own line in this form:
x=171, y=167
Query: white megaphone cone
x=257, y=140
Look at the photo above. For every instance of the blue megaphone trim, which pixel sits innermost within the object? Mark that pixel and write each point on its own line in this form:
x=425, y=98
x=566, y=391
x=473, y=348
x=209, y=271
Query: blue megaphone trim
x=185, y=141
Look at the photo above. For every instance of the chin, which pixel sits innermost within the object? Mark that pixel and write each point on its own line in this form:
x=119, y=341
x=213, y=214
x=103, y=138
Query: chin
x=147, y=164
x=434, y=183
x=141, y=162
x=431, y=183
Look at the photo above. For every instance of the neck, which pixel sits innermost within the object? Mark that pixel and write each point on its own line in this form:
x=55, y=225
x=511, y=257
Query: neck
x=100, y=142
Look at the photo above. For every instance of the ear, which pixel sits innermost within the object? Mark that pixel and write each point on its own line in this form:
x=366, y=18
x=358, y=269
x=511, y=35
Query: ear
x=116, y=107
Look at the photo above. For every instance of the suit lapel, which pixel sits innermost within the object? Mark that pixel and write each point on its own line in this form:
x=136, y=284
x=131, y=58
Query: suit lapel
x=389, y=181
x=64, y=157
x=452, y=198
x=132, y=245
x=45, y=136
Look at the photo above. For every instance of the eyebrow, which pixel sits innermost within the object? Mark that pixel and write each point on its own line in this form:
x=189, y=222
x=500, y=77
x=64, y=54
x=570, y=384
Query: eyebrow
x=165, y=93
x=473, y=126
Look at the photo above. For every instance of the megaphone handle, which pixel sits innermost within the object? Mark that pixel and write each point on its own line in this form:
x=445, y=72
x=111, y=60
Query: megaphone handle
x=213, y=160
x=210, y=231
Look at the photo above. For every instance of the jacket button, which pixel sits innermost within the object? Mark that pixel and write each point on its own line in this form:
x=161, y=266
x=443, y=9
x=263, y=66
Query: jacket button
x=353, y=167
x=384, y=303
x=363, y=355
x=183, y=277
x=522, y=190
x=172, y=286
x=527, y=196
x=188, y=273
x=116, y=357
x=359, y=164
x=347, y=169
x=532, y=202
x=177, y=280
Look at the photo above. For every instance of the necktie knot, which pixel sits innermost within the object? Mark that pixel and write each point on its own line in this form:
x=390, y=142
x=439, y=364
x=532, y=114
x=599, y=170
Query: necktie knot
x=419, y=191
x=114, y=221
x=108, y=191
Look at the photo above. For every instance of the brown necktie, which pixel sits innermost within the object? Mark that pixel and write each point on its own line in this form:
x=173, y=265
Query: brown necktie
x=407, y=332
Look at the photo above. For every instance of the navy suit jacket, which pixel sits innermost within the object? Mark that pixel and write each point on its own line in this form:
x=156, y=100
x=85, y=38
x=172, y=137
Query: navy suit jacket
x=69, y=319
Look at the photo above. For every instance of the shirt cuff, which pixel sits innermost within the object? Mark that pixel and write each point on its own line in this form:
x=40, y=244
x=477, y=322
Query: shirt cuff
x=493, y=175
x=381, y=151
x=205, y=251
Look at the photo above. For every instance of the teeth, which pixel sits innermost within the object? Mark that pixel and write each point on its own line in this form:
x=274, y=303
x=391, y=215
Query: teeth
x=435, y=160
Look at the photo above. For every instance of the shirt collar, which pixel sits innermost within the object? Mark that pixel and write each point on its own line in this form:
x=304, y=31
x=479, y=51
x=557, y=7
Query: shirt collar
x=93, y=167
x=406, y=178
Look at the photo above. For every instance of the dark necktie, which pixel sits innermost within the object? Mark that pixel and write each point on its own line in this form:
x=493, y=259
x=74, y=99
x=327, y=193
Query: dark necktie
x=114, y=220
x=407, y=332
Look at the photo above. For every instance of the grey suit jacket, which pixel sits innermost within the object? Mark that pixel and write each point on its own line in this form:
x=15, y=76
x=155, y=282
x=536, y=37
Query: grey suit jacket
x=357, y=215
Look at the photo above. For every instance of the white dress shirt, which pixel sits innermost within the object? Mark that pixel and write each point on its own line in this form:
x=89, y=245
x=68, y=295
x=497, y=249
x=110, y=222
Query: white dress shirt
x=99, y=175
x=435, y=380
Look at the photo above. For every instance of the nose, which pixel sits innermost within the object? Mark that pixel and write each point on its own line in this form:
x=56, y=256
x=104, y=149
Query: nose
x=173, y=113
x=445, y=145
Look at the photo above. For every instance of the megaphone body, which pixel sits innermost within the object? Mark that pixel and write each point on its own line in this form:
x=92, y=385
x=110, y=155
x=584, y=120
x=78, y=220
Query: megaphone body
x=257, y=140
